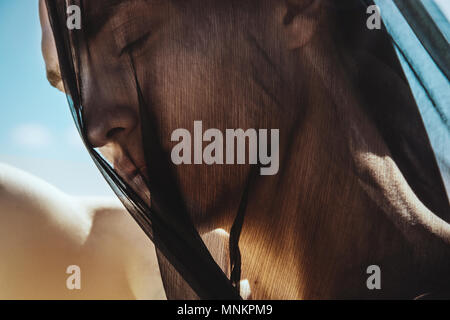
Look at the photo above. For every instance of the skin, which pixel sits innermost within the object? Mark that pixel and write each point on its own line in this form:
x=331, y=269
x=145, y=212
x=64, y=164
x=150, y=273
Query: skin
x=274, y=65
x=43, y=231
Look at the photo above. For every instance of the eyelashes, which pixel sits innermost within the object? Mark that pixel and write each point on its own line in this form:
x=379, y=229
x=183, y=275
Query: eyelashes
x=138, y=22
x=135, y=44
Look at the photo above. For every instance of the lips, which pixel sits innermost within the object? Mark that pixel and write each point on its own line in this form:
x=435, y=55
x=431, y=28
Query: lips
x=140, y=187
x=136, y=172
x=128, y=170
x=135, y=177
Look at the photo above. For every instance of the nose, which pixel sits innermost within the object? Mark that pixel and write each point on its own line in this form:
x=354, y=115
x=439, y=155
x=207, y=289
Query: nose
x=109, y=110
x=111, y=125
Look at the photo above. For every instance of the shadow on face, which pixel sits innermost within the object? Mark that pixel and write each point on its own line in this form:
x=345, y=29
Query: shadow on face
x=230, y=64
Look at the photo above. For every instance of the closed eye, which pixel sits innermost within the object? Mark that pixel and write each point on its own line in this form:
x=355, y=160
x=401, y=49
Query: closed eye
x=136, y=44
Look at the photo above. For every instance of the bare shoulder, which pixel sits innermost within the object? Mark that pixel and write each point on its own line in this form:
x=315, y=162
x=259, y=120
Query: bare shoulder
x=43, y=230
x=28, y=201
x=28, y=204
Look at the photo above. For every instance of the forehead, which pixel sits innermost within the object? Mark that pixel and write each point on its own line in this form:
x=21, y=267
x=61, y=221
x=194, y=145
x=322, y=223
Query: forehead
x=97, y=13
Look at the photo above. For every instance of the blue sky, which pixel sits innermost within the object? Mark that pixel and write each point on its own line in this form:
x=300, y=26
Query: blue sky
x=37, y=133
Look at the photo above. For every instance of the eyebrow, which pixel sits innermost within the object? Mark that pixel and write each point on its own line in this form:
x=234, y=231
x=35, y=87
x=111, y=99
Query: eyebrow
x=98, y=15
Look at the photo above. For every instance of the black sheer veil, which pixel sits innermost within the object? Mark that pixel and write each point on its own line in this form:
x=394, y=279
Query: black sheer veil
x=187, y=266
x=165, y=221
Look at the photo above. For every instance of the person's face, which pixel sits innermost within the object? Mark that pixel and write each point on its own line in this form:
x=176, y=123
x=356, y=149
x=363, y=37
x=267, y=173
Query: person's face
x=226, y=63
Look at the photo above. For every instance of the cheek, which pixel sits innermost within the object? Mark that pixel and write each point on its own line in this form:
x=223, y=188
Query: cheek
x=181, y=86
x=187, y=85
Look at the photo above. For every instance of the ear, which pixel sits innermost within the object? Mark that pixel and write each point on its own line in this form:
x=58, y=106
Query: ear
x=301, y=21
